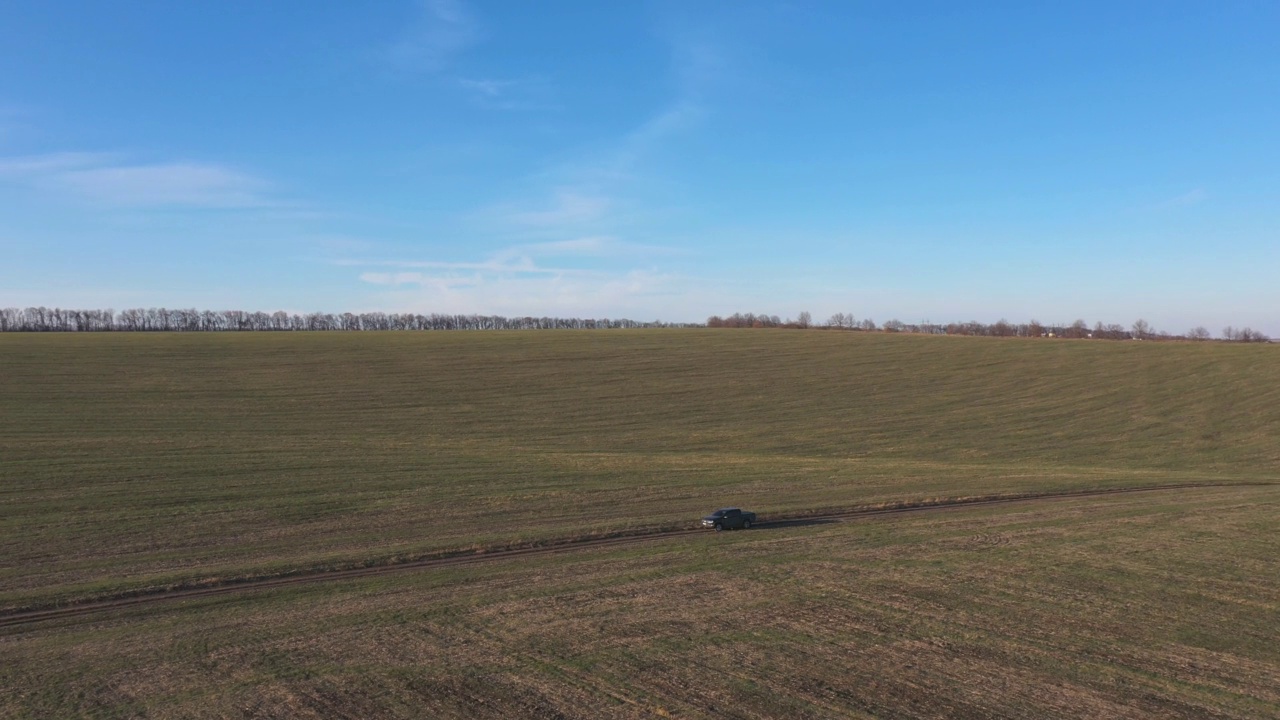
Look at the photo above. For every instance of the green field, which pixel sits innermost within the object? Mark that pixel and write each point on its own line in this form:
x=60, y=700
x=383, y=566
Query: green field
x=132, y=461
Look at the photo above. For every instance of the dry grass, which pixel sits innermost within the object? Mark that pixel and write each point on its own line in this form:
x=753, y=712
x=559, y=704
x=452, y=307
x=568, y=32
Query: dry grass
x=134, y=460
x=1140, y=606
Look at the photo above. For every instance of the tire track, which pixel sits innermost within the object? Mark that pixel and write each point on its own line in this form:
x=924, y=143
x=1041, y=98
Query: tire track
x=40, y=615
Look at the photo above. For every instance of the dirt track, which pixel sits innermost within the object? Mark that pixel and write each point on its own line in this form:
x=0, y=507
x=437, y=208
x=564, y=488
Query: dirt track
x=34, y=616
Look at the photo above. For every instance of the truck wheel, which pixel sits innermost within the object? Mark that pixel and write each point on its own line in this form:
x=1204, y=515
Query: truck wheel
x=746, y=524
x=719, y=527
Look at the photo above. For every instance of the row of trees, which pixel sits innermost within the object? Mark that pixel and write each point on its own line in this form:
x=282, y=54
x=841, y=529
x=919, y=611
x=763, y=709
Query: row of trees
x=42, y=319
x=1243, y=335
x=1140, y=330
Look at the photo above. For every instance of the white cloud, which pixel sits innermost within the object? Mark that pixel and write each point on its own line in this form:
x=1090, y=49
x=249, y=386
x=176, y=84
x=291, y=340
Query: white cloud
x=591, y=246
x=636, y=294
x=586, y=192
x=42, y=165
x=600, y=246
x=568, y=208
x=101, y=178
x=599, y=191
x=187, y=184
x=681, y=116
x=697, y=65
x=433, y=43
x=521, y=259
x=580, y=267
x=497, y=264
x=592, y=276
x=342, y=244
x=562, y=212
x=1192, y=197
x=488, y=88
x=404, y=278
x=649, y=136
x=529, y=93
x=443, y=29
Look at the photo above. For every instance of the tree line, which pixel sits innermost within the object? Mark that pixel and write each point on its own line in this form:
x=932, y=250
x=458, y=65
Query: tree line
x=43, y=319
x=1140, y=330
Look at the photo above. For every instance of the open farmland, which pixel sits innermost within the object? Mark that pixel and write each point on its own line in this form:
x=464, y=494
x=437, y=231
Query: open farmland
x=1157, y=605
x=133, y=462
x=137, y=461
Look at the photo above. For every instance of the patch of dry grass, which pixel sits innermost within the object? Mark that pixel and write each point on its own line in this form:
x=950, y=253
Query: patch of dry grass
x=1137, y=606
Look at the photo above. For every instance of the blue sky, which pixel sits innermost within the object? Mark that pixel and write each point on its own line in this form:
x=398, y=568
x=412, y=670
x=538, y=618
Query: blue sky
x=653, y=160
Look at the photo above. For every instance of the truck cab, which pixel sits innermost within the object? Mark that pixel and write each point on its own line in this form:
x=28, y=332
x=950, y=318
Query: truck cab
x=730, y=518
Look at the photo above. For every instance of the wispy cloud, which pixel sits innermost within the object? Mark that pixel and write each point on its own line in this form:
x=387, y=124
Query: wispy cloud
x=579, y=211
x=560, y=213
x=593, y=187
x=510, y=266
x=187, y=184
x=401, y=278
x=587, y=195
x=441, y=30
x=569, y=208
x=638, y=294
x=486, y=87
x=31, y=166
x=1191, y=197
x=528, y=93
x=342, y=244
x=697, y=62
x=549, y=258
x=681, y=116
x=696, y=65
x=592, y=247
x=102, y=178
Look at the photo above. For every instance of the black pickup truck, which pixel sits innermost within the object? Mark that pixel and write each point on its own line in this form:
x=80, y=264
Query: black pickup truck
x=729, y=519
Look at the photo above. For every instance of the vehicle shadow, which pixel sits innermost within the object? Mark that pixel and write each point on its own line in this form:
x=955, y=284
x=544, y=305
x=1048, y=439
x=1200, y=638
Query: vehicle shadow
x=797, y=522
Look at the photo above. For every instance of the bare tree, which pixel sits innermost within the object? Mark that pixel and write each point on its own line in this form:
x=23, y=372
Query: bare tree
x=1077, y=329
x=840, y=320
